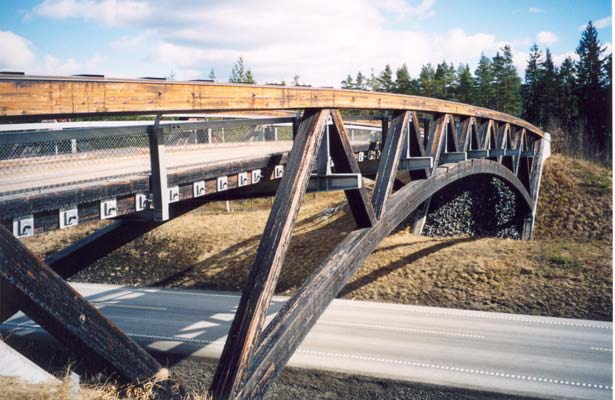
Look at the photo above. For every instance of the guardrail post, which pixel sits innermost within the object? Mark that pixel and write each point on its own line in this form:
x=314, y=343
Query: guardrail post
x=158, y=178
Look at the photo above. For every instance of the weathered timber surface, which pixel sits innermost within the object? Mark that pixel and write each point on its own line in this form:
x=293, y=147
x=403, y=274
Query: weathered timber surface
x=292, y=323
x=344, y=160
x=46, y=298
x=389, y=161
x=28, y=96
x=256, y=296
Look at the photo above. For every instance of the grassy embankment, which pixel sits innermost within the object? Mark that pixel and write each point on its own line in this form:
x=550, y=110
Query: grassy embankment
x=565, y=271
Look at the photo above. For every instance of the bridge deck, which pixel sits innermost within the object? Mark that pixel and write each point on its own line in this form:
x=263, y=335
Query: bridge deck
x=47, y=172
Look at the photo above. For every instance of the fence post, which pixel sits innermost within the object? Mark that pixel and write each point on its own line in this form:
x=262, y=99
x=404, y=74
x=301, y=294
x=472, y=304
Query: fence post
x=158, y=178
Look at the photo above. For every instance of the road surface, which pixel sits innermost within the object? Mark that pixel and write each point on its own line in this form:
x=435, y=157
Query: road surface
x=506, y=353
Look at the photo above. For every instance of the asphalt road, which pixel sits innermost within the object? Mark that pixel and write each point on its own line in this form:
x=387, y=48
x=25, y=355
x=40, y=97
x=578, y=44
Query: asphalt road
x=506, y=353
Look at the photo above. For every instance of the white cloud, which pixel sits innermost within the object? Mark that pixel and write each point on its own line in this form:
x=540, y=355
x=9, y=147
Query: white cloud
x=320, y=40
x=546, y=38
x=535, y=10
x=17, y=54
x=15, y=51
x=110, y=12
x=598, y=24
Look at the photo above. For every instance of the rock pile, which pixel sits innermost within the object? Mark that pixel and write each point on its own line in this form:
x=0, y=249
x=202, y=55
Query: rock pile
x=476, y=206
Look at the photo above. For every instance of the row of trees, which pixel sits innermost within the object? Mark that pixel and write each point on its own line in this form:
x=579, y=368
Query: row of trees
x=495, y=83
x=574, y=96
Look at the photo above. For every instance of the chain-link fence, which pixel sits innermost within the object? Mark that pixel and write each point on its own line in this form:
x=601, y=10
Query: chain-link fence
x=33, y=161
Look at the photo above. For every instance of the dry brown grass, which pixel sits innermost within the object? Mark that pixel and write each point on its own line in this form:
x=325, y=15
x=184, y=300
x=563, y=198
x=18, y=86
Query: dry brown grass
x=565, y=272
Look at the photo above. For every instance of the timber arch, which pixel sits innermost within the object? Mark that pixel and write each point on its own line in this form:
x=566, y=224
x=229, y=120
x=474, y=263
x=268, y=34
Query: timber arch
x=416, y=145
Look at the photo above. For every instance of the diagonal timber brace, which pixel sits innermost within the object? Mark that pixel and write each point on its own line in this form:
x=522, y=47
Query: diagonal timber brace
x=53, y=304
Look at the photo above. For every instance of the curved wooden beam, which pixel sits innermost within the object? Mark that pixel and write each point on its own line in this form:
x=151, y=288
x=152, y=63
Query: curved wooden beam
x=287, y=330
x=23, y=97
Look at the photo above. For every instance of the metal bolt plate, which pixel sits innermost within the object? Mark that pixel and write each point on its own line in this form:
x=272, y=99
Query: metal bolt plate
x=108, y=208
x=23, y=226
x=222, y=183
x=242, y=179
x=198, y=189
x=69, y=216
x=256, y=176
x=278, y=172
x=141, y=202
x=173, y=194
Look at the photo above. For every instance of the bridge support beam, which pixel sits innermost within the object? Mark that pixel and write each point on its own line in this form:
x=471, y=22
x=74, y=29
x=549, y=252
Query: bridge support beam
x=54, y=305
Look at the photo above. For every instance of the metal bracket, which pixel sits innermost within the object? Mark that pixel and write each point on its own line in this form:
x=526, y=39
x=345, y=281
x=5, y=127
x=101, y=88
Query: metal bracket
x=173, y=194
x=415, y=163
x=23, y=226
x=69, y=216
x=478, y=153
x=332, y=182
x=108, y=208
x=222, y=183
x=256, y=176
x=278, y=172
x=242, y=179
x=141, y=202
x=453, y=157
x=503, y=153
x=199, y=189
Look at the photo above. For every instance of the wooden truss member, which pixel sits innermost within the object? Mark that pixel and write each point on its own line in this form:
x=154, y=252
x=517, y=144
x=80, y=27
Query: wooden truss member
x=245, y=332
x=46, y=298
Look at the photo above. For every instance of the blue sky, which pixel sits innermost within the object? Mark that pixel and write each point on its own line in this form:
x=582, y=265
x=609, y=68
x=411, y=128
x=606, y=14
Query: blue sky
x=319, y=40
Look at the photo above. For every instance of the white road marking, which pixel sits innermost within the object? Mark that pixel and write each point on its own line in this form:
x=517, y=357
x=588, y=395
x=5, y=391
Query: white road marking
x=377, y=359
x=514, y=319
x=456, y=369
x=402, y=329
x=99, y=304
x=602, y=349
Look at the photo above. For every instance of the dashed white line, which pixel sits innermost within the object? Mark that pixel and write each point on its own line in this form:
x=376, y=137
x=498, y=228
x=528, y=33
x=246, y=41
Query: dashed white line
x=602, y=349
x=457, y=369
x=402, y=329
x=456, y=313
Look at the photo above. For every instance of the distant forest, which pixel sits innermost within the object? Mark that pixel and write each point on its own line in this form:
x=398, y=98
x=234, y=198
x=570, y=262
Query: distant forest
x=572, y=101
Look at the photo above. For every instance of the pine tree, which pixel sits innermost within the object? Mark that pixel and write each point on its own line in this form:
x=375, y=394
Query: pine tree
x=347, y=83
x=212, y=75
x=444, y=80
x=483, y=83
x=373, y=83
x=403, y=82
x=507, y=83
x=567, y=107
x=238, y=74
x=549, y=90
x=360, y=83
x=590, y=92
x=385, y=80
x=249, y=78
x=464, y=85
x=531, y=89
x=427, y=81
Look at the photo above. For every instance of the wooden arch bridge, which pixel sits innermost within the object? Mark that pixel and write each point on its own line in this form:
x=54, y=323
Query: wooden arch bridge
x=140, y=176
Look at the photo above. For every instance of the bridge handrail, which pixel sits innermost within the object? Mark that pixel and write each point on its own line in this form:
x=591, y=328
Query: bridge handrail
x=25, y=97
